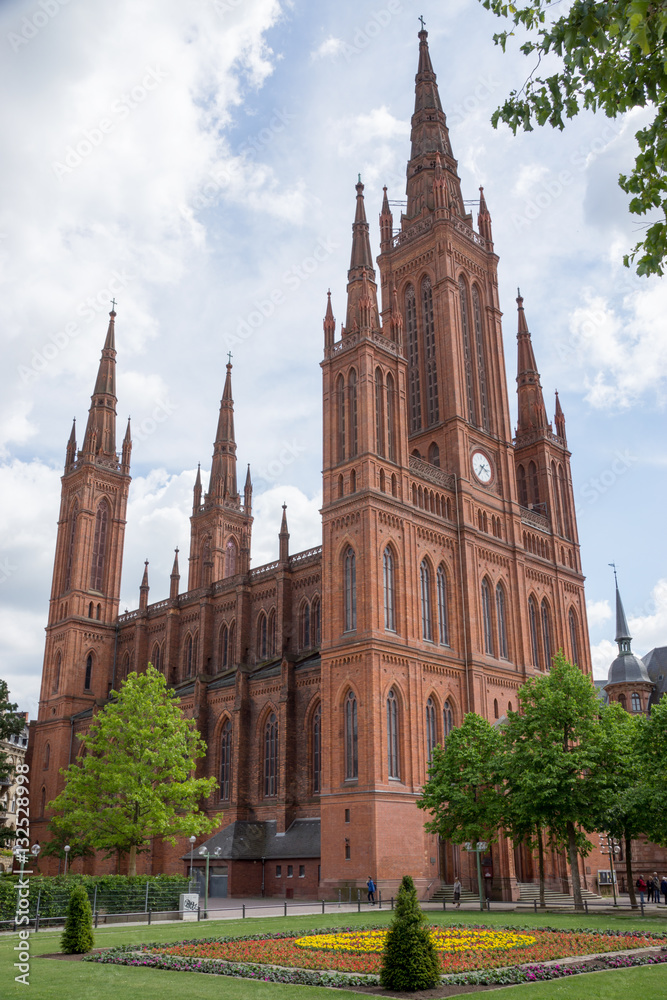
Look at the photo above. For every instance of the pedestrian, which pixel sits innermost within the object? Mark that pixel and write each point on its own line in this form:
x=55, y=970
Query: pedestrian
x=656, y=888
x=641, y=885
x=370, y=885
x=488, y=879
x=663, y=887
x=649, y=889
x=457, y=893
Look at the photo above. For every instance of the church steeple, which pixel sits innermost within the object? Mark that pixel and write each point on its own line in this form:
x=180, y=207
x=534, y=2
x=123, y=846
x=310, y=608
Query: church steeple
x=559, y=420
x=532, y=412
x=623, y=637
x=329, y=324
x=175, y=578
x=70, y=454
x=386, y=222
x=484, y=218
x=284, y=537
x=143, y=589
x=362, y=308
x=100, y=436
x=430, y=145
x=223, y=468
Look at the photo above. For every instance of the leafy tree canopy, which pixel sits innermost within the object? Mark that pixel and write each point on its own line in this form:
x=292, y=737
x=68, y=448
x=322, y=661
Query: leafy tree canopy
x=652, y=751
x=612, y=58
x=134, y=778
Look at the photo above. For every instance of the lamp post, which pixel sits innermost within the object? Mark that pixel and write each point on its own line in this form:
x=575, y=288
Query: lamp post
x=203, y=852
x=192, y=858
x=34, y=850
x=67, y=849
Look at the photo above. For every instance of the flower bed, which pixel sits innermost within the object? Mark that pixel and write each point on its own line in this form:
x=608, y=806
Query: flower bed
x=461, y=949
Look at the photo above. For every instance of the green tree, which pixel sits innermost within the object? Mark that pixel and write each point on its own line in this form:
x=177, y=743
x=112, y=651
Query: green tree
x=461, y=792
x=11, y=724
x=612, y=57
x=77, y=937
x=409, y=961
x=134, y=780
x=557, y=750
x=652, y=753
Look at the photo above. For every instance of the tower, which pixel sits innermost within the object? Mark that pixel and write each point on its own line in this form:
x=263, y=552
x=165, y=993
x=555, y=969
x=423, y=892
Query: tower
x=628, y=681
x=443, y=587
x=79, y=656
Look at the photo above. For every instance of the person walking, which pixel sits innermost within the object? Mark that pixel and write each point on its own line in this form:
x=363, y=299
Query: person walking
x=370, y=885
x=641, y=886
x=457, y=893
x=663, y=887
x=656, y=888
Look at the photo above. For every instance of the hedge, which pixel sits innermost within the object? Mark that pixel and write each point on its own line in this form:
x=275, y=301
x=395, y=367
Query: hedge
x=115, y=893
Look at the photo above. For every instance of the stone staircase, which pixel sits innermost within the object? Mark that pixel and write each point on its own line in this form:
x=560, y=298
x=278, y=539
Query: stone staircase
x=530, y=891
x=446, y=892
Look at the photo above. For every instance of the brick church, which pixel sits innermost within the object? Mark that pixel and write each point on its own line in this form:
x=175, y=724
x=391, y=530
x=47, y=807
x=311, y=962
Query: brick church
x=449, y=571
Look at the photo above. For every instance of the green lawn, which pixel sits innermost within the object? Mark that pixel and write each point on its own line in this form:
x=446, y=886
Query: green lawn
x=60, y=980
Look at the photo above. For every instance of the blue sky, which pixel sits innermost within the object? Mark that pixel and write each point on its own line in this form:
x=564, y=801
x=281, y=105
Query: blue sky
x=219, y=147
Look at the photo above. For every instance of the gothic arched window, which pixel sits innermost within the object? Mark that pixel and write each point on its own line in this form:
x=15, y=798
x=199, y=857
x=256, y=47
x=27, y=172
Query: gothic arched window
x=481, y=362
x=502, y=623
x=392, y=736
x=546, y=634
x=431, y=731
x=231, y=552
x=467, y=352
x=621, y=700
x=425, y=586
x=352, y=401
x=226, y=761
x=379, y=412
x=432, y=405
x=351, y=753
x=414, y=391
x=350, y=591
x=271, y=757
x=316, y=622
x=262, y=636
x=271, y=636
x=391, y=449
x=224, y=646
x=636, y=702
x=232, y=645
x=443, y=617
x=389, y=590
x=534, y=484
x=340, y=404
x=532, y=618
x=189, y=649
x=155, y=656
x=317, y=750
x=434, y=455
x=495, y=708
x=56, y=674
x=486, y=619
x=447, y=721
x=42, y=802
x=89, y=673
x=47, y=756
x=70, y=547
x=523, y=488
x=99, y=546
x=562, y=489
x=574, y=644
x=125, y=667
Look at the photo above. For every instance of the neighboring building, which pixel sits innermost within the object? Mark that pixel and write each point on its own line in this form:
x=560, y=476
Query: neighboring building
x=15, y=747
x=449, y=571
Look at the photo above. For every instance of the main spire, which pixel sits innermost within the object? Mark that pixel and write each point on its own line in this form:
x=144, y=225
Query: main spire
x=223, y=468
x=532, y=412
x=100, y=436
x=362, y=307
x=429, y=137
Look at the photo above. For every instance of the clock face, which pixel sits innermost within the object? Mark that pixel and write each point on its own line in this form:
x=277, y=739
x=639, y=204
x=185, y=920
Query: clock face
x=481, y=466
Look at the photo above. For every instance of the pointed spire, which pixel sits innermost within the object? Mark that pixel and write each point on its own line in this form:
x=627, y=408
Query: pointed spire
x=361, y=276
x=623, y=637
x=247, y=493
x=175, y=578
x=439, y=184
x=532, y=412
x=143, y=589
x=429, y=138
x=223, y=468
x=386, y=222
x=127, y=448
x=329, y=323
x=396, y=317
x=70, y=453
x=484, y=218
x=100, y=436
x=284, y=537
x=559, y=420
x=196, y=493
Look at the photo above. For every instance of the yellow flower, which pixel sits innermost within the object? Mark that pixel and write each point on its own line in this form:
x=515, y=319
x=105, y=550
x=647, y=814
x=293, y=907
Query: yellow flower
x=445, y=939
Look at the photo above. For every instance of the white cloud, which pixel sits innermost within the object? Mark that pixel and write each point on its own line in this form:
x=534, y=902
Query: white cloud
x=602, y=656
x=597, y=612
x=329, y=48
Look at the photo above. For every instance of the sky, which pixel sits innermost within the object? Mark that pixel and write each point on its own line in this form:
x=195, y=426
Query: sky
x=197, y=163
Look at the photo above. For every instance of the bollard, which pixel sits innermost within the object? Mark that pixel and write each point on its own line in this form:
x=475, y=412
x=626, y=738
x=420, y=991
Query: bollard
x=244, y=911
x=349, y=893
x=444, y=903
x=535, y=905
x=380, y=899
x=488, y=905
x=322, y=906
x=285, y=908
x=198, y=914
x=586, y=905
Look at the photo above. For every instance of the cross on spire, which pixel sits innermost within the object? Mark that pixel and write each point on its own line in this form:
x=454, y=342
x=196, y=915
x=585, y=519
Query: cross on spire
x=113, y=304
x=229, y=357
x=421, y=19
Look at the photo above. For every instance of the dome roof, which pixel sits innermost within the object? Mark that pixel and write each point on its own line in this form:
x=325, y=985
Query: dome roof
x=628, y=669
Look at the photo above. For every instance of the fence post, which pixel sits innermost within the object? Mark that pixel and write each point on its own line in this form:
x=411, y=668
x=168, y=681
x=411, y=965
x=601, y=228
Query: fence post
x=322, y=906
x=146, y=902
x=96, y=915
x=358, y=903
x=285, y=908
x=488, y=905
x=149, y=915
x=380, y=899
x=244, y=911
x=198, y=913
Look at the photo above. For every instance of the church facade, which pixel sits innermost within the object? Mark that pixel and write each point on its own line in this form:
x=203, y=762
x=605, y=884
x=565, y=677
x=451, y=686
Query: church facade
x=449, y=570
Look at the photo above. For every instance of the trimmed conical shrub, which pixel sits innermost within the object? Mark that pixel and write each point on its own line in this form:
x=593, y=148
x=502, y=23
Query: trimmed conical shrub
x=77, y=937
x=410, y=961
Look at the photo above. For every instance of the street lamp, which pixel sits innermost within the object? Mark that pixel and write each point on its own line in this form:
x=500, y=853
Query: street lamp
x=34, y=850
x=203, y=853
x=192, y=849
x=67, y=849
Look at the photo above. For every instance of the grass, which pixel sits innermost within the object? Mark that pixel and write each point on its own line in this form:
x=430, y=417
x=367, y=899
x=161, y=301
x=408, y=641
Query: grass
x=62, y=980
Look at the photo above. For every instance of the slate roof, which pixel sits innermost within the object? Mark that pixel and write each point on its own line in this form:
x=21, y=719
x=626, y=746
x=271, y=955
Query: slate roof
x=245, y=840
x=656, y=667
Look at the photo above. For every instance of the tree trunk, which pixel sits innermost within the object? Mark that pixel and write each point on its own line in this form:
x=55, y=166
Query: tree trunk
x=132, y=865
x=573, y=857
x=628, y=872
x=540, y=855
